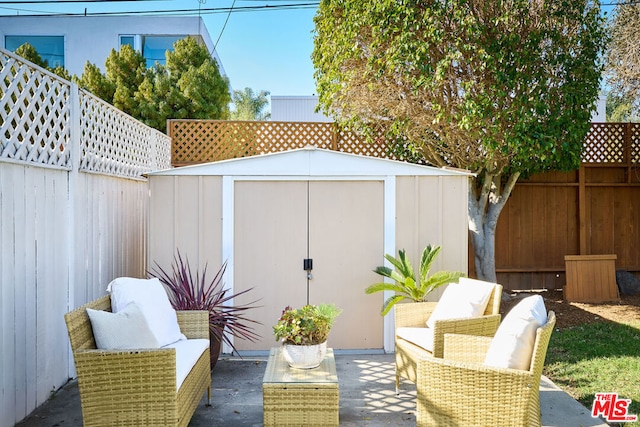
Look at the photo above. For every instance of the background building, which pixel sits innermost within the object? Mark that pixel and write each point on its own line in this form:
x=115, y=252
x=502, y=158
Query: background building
x=302, y=109
x=71, y=41
x=296, y=109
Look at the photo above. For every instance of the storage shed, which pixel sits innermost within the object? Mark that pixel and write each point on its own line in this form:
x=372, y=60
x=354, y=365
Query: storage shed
x=266, y=215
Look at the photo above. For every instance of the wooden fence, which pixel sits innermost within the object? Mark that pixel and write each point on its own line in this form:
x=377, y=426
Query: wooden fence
x=201, y=141
x=594, y=210
x=73, y=216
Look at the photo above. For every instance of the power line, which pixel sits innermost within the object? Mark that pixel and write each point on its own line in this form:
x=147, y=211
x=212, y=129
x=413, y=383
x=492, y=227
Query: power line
x=621, y=3
x=225, y=24
x=74, y=1
x=191, y=11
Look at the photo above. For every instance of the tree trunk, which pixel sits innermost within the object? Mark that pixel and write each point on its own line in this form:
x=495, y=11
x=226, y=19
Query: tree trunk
x=485, y=204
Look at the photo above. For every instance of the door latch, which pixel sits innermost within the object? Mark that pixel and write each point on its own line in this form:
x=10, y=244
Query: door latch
x=308, y=266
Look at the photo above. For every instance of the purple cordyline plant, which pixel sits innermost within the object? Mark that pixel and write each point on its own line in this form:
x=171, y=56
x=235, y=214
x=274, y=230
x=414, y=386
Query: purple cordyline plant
x=189, y=292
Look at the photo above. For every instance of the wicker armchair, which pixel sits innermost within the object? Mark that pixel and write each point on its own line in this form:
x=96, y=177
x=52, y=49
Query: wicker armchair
x=417, y=314
x=136, y=387
x=459, y=390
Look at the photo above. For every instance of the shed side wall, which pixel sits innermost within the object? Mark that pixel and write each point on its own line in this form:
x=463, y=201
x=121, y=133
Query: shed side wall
x=186, y=215
x=433, y=210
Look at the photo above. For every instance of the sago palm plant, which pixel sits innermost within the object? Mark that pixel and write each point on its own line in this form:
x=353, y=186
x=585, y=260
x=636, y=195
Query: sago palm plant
x=405, y=284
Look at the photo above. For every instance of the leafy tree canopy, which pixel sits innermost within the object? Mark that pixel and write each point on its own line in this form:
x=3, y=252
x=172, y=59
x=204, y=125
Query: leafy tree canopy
x=501, y=84
x=188, y=86
x=623, y=61
x=621, y=109
x=250, y=105
x=28, y=52
x=500, y=87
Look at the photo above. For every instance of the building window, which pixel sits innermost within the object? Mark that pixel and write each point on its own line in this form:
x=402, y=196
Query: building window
x=128, y=40
x=50, y=48
x=154, y=48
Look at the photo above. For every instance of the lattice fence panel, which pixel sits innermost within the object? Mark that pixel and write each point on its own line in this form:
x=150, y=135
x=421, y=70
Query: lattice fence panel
x=34, y=114
x=604, y=143
x=35, y=125
x=160, y=150
x=350, y=142
x=200, y=141
x=113, y=142
x=635, y=143
x=273, y=137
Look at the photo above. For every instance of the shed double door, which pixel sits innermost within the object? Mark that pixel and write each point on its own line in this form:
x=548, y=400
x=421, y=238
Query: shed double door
x=338, y=225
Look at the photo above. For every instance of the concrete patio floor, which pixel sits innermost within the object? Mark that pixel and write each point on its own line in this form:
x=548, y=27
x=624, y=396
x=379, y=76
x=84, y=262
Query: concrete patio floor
x=367, y=397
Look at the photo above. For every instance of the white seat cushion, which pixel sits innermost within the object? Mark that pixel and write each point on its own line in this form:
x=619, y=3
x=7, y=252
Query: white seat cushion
x=126, y=329
x=187, y=354
x=422, y=337
x=462, y=300
x=512, y=345
x=151, y=297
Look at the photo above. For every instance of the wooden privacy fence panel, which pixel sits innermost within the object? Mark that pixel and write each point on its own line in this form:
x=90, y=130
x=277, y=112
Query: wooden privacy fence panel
x=202, y=141
x=592, y=211
x=73, y=216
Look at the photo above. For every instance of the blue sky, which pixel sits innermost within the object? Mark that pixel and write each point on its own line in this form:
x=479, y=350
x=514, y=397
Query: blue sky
x=264, y=50
x=268, y=50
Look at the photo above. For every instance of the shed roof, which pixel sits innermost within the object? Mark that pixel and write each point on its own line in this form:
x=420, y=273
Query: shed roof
x=310, y=161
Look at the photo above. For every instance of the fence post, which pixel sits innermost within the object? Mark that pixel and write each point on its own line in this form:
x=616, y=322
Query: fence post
x=626, y=158
x=170, y=135
x=582, y=211
x=74, y=154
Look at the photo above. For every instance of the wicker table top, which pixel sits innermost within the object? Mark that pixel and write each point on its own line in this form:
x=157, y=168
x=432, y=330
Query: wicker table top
x=278, y=370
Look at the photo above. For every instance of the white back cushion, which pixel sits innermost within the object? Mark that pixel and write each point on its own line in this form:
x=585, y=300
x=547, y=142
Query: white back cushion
x=512, y=345
x=462, y=300
x=151, y=297
x=126, y=329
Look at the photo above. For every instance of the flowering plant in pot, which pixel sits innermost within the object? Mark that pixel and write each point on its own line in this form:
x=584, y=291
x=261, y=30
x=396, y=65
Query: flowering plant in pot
x=187, y=291
x=304, y=331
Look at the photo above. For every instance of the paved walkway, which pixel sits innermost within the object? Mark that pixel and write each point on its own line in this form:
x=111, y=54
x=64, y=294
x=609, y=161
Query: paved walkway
x=367, y=398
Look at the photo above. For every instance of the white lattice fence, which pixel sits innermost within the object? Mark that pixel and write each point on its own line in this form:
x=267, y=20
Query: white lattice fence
x=63, y=235
x=160, y=151
x=115, y=143
x=34, y=114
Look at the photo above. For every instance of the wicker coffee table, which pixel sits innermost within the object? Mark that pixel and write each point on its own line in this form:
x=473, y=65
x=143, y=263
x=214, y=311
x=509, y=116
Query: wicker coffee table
x=300, y=397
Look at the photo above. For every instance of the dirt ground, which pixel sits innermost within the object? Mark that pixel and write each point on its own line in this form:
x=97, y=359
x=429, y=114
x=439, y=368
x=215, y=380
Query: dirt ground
x=573, y=313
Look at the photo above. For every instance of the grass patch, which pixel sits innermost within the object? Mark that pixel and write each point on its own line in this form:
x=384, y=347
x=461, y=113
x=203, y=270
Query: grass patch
x=598, y=357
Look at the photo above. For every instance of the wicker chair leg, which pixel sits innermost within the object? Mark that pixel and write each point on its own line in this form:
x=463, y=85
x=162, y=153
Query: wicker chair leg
x=209, y=396
x=397, y=384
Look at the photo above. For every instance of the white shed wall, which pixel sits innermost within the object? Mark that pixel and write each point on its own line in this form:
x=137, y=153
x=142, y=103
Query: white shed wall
x=421, y=205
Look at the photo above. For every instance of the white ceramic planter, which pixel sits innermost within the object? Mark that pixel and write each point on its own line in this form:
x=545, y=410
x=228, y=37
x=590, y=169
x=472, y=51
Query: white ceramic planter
x=304, y=356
